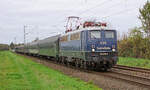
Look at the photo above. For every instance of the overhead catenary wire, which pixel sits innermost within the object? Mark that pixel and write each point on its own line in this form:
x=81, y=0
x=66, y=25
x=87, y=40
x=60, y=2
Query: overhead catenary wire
x=101, y=4
x=119, y=12
x=91, y=8
x=110, y=7
x=98, y=6
x=116, y=13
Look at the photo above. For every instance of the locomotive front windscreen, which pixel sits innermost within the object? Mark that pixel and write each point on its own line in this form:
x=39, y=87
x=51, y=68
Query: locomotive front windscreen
x=109, y=34
x=95, y=34
x=102, y=41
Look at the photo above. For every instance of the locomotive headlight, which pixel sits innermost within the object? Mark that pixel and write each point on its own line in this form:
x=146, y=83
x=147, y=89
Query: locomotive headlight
x=93, y=50
x=113, y=50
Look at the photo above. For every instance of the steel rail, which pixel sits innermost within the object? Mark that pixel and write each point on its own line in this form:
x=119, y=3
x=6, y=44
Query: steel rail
x=134, y=82
x=137, y=69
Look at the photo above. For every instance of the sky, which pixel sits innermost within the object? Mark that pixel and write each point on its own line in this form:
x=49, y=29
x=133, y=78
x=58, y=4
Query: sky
x=45, y=18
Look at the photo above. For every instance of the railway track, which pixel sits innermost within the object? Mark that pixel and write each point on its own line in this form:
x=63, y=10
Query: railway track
x=134, y=80
x=137, y=69
x=119, y=74
x=123, y=76
x=134, y=71
x=135, y=75
x=137, y=81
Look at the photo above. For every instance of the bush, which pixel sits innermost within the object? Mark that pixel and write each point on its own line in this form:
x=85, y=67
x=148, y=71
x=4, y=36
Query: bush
x=135, y=45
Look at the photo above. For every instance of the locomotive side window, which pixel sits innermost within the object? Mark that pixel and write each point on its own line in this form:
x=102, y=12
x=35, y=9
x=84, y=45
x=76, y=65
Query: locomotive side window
x=64, y=38
x=75, y=36
x=109, y=34
x=95, y=34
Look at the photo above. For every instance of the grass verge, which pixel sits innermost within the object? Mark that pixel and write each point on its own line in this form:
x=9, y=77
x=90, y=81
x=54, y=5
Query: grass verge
x=134, y=62
x=20, y=73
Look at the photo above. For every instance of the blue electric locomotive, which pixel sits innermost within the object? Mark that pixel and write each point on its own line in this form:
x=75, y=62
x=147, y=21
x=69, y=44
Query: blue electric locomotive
x=89, y=47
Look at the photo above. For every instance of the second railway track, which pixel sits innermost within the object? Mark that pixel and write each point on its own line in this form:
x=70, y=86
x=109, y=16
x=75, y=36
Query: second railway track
x=133, y=79
x=137, y=69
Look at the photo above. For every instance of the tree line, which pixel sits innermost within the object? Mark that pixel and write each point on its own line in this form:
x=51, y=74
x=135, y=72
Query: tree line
x=4, y=47
x=137, y=42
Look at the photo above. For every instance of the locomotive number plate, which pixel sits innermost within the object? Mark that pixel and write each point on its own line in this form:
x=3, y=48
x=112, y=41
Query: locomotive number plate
x=103, y=43
x=103, y=53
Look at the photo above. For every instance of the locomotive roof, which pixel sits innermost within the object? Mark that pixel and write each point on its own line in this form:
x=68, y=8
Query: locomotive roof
x=86, y=29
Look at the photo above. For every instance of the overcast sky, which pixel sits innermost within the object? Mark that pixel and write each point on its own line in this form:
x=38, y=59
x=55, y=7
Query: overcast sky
x=45, y=18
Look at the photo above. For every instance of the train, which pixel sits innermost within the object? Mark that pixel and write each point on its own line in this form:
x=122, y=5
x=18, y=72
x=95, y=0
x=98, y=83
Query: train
x=90, y=47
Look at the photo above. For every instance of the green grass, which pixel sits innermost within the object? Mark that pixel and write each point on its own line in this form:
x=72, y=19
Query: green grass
x=128, y=61
x=20, y=73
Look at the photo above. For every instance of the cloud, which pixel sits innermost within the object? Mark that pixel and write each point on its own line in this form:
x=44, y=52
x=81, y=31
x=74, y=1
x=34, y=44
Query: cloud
x=50, y=15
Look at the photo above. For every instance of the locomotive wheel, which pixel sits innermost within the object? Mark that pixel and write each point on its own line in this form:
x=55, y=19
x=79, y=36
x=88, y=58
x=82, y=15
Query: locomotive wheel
x=76, y=64
x=68, y=64
x=62, y=61
x=85, y=65
x=104, y=69
x=93, y=66
x=82, y=65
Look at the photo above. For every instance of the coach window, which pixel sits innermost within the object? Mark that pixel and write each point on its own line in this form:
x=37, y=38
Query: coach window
x=109, y=34
x=95, y=34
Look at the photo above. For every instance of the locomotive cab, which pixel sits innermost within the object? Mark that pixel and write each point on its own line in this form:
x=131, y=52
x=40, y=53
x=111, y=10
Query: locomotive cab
x=101, y=47
x=90, y=45
x=102, y=41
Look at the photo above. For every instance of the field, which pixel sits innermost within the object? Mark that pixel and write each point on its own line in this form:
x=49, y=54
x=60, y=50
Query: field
x=20, y=73
x=144, y=63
